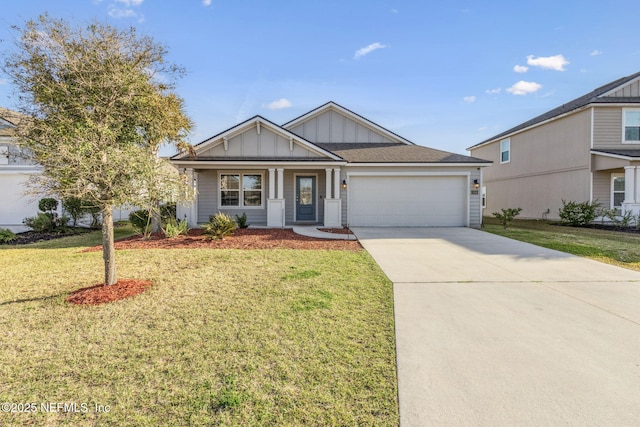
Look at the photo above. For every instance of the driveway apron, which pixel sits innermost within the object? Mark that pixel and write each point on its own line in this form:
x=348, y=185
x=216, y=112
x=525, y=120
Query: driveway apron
x=495, y=332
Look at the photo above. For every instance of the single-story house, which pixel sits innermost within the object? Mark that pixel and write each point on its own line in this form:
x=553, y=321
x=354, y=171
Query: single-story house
x=330, y=167
x=587, y=149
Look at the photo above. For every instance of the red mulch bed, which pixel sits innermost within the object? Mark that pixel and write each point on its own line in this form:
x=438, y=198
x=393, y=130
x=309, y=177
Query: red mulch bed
x=247, y=238
x=100, y=294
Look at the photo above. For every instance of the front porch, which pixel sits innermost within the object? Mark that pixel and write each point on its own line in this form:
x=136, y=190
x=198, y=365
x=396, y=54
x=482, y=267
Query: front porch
x=616, y=179
x=277, y=196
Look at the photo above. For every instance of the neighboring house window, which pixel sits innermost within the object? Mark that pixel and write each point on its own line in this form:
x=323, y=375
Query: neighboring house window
x=505, y=151
x=240, y=190
x=631, y=126
x=484, y=196
x=617, y=191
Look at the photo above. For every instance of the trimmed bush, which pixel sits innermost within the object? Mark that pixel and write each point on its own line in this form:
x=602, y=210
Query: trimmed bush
x=578, y=214
x=74, y=207
x=219, y=226
x=507, y=215
x=48, y=204
x=48, y=220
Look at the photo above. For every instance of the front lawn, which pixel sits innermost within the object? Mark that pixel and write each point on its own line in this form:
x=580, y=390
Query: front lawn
x=223, y=337
x=612, y=247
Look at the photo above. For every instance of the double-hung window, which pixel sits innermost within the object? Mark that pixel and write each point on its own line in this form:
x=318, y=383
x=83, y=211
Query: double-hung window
x=617, y=191
x=505, y=151
x=240, y=190
x=631, y=118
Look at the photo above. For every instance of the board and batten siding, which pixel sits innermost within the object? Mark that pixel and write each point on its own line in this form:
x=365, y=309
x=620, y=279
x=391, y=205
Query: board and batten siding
x=632, y=89
x=266, y=144
x=208, y=198
x=333, y=127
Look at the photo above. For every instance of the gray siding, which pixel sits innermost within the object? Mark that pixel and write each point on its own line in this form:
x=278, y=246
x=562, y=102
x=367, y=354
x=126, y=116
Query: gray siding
x=602, y=188
x=290, y=196
x=331, y=126
x=266, y=144
x=632, y=89
x=208, y=198
x=607, y=127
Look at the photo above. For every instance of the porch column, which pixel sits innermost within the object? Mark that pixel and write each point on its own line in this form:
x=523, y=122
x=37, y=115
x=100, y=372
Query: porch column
x=190, y=209
x=280, y=183
x=333, y=205
x=272, y=183
x=636, y=185
x=630, y=173
x=328, y=184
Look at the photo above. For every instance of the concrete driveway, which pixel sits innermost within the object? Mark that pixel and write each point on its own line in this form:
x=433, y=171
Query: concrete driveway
x=495, y=332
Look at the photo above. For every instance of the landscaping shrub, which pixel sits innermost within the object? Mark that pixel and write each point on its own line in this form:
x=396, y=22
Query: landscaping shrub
x=6, y=235
x=578, y=214
x=174, y=228
x=48, y=220
x=48, y=204
x=74, y=207
x=220, y=226
x=617, y=218
x=242, y=221
x=507, y=216
x=141, y=221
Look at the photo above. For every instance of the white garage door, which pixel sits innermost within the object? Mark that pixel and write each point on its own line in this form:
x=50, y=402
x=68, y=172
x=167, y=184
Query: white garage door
x=14, y=205
x=430, y=201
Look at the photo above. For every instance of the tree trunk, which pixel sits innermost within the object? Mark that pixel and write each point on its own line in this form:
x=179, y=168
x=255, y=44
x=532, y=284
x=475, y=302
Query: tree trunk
x=108, y=248
x=156, y=217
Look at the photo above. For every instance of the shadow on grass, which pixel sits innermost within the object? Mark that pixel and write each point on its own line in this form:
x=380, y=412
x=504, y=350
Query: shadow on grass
x=46, y=298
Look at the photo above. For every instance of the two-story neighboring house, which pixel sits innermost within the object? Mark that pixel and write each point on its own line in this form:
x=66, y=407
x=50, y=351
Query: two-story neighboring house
x=585, y=150
x=15, y=169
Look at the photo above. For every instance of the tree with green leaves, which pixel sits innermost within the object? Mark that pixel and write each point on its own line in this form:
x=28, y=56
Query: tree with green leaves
x=100, y=102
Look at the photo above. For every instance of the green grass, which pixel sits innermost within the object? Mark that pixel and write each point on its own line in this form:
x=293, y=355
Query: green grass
x=612, y=247
x=224, y=337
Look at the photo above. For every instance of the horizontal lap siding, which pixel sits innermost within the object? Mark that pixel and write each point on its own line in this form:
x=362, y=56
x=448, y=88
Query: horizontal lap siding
x=607, y=128
x=208, y=199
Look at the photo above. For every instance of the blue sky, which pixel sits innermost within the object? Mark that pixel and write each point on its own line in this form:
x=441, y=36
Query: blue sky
x=442, y=74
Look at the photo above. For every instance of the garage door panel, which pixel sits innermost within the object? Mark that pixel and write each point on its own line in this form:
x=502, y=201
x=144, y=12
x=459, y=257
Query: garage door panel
x=408, y=201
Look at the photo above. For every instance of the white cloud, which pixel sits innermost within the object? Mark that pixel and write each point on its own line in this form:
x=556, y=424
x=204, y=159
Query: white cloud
x=206, y=2
x=118, y=13
x=368, y=49
x=494, y=91
x=520, y=68
x=596, y=52
x=129, y=3
x=523, y=88
x=469, y=99
x=395, y=11
x=279, y=104
x=4, y=81
x=556, y=62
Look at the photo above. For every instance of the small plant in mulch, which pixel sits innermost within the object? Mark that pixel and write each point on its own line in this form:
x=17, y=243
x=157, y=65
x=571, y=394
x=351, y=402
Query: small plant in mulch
x=220, y=226
x=101, y=294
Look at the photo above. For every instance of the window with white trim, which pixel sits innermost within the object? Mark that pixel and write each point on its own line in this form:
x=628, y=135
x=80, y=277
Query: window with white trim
x=617, y=191
x=631, y=125
x=240, y=190
x=505, y=151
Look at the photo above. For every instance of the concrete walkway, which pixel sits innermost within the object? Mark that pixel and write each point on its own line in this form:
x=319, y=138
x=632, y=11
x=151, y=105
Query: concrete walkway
x=495, y=332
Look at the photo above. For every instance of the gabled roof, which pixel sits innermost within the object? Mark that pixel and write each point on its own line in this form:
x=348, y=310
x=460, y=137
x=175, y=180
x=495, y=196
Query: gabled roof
x=395, y=153
x=354, y=116
x=597, y=96
x=8, y=120
x=248, y=124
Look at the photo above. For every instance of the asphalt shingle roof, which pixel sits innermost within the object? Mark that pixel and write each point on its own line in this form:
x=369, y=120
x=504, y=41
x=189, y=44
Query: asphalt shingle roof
x=394, y=153
x=593, y=97
x=621, y=152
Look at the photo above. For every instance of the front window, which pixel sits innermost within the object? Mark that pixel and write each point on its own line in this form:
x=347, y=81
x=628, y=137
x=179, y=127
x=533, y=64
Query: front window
x=617, y=191
x=240, y=190
x=505, y=151
x=632, y=126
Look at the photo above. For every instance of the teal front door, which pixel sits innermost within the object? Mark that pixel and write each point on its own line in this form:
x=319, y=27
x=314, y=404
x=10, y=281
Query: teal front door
x=305, y=198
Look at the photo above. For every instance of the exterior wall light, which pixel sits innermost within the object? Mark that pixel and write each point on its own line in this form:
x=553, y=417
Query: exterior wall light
x=476, y=184
x=344, y=184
